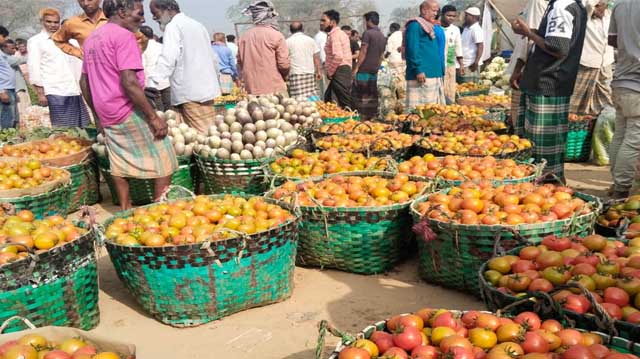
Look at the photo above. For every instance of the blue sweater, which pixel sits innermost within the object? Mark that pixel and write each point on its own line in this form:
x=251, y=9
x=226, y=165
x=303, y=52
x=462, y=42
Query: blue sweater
x=423, y=54
x=226, y=63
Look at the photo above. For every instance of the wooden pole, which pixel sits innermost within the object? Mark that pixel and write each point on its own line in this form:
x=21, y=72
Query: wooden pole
x=504, y=18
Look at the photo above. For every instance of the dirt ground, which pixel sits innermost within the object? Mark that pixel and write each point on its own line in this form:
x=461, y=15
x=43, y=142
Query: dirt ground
x=289, y=329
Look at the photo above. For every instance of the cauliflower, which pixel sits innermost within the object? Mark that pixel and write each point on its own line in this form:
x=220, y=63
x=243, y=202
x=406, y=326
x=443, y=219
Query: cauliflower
x=506, y=77
x=498, y=60
x=492, y=67
x=490, y=74
x=486, y=82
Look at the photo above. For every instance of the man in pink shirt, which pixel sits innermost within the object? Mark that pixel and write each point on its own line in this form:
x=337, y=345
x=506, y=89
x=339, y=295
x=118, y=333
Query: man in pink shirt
x=263, y=56
x=113, y=85
x=338, y=60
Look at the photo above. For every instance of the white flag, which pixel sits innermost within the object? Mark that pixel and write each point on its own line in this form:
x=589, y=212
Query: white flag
x=487, y=29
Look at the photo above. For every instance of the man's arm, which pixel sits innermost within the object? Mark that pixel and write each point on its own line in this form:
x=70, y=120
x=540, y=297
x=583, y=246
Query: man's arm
x=61, y=39
x=362, y=55
x=318, y=65
x=86, y=93
x=15, y=61
x=412, y=51
x=34, y=62
x=282, y=57
x=234, y=68
x=514, y=81
x=129, y=82
x=476, y=63
x=613, y=30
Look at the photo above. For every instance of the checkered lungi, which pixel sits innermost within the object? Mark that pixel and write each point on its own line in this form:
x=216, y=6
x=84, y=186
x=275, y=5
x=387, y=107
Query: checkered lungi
x=67, y=111
x=544, y=121
x=365, y=95
x=592, y=91
x=198, y=115
x=431, y=92
x=515, y=111
x=134, y=153
x=302, y=85
x=226, y=84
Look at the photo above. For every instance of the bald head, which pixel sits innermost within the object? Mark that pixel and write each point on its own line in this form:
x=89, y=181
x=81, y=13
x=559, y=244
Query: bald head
x=429, y=9
x=219, y=37
x=296, y=26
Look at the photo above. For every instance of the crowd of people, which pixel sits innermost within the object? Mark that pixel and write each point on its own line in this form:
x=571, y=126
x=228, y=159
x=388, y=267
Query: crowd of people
x=104, y=64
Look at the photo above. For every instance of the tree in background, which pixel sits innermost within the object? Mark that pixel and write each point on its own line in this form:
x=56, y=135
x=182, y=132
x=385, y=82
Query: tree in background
x=20, y=17
x=402, y=14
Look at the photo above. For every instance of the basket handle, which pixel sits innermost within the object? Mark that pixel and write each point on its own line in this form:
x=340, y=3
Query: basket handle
x=375, y=141
x=165, y=195
x=497, y=248
x=543, y=304
x=206, y=245
x=504, y=148
x=437, y=177
x=603, y=320
x=15, y=318
x=391, y=164
x=539, y=168
x=550, y=175
x=323, y=328
x=331, y=126
x=362, y=124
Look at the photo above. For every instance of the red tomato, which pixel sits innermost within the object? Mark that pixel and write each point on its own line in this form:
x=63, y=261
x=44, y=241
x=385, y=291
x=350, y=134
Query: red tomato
x=598, y=350
x=551, y=325
x=549, y=259
x=570, y=337
x=424, y=352
x=588, y=259
x=488, y=321
x=395, y=353
x=578, y=352
x=407, y=338
x=584, y=268
x=540, y=285
x=522, y=265
x=445, y=319
x=634, y=318
x=616, y=296
x=455, y=341
x=59, y=354
x=577, y=303
x=534, y=343
x=383, y=340
x=529, y=253
x=529, y=320
x=613, y=310
x=469, y=318
x=411, y=321
x=459, y=353
x=556, y=244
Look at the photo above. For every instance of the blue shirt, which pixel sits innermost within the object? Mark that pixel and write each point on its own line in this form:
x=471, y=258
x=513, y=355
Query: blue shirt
x=227, y=64
x=424, y=54
x=7, y=75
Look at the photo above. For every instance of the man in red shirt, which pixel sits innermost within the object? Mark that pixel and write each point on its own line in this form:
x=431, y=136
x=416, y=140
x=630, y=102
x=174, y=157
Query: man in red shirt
x=338, y=60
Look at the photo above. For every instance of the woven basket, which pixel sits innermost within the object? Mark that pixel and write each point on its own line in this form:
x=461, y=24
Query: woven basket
x=495, y=299
x=57, y=287
x=66, y=160
x=421, y=148
x=228, y=176
x=141, y=191
x=85, y=184
x=339, y=119
x=363, y=240
x=52, y=202
x=189, y=285
x=451, y=254
x=578, y=148
x=484, y=91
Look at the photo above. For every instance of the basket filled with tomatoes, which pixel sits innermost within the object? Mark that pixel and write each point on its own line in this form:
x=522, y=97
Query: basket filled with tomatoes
x=454, y=170
x=476, y=144
x=332, y=113
x=401, y=121
x=426, y=111
x=471, y=89
x=355, y=222
x=620, y=219
x=608, y=270
x=57, y=342
x=48, y=271
x=192, y=261
x=432, y=334
x=352, y=126
x=453, y=122
x=394, y=144
x=462, y=227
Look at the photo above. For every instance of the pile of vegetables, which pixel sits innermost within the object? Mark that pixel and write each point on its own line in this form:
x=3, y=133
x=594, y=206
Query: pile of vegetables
x=438, y=124
x=627, y=212
x=36, y=346
x=301, y=164
x=603, y=135
x=493, y=74
x=427, y=111
x=331, y=110
x=458, y=168
x=361, y=142
x=474, y=143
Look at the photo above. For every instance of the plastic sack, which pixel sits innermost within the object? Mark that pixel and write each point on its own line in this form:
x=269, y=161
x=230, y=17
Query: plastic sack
x=602, y=136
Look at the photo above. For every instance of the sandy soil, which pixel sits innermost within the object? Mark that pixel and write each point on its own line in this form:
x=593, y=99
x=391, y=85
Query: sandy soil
x=289, y=329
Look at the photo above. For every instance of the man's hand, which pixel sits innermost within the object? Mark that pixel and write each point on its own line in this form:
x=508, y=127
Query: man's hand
x=159, y=128
x=421, y=78
x=42, y=101
x=461, y=71
x=4, y=97
x=354, y=72
x=520, y=27
x=474, y=67
x=318, y=76
x=514, y=81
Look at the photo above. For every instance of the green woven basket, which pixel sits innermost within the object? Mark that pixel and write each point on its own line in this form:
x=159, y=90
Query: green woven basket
x=421, y=148
x=85, y=185
x=57, y=287
x=189, y=285
x=339, y=119
x=578, y=147
x=473, y=93
x=53, y=202
x=363, y=240
x=228, y=176
x=141, y=191
x=451, y=254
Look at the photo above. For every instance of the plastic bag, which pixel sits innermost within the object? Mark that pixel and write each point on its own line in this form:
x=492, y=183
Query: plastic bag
x=602, y=136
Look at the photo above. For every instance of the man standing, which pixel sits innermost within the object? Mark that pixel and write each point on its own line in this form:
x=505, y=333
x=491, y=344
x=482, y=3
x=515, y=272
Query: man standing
x=52, y=75
x=353, y=43
x=188, y=62
x=393, y=94
x=338, y=63
x=472, y=46
x=16, y=62
x=263, y=57
x=593, y=91
x=305, y=63
x=80, y=27
x=8, y=108
x=113, y=85
x=624, y=33
x=453, y=52
x=227, y=71
x=424, y=50
x=231, y=44
x=150, y=55
x=365, y=73
x=548, y=79
x=321, y=41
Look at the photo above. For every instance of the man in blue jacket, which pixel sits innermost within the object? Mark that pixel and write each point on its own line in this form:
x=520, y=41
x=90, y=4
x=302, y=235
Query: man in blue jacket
x=424, y=47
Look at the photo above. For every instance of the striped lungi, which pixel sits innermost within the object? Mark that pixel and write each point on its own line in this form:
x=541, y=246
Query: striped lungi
x=68, y=111
x=450, y=84
x=134, y=153
x=365, y=95
x=226, y=84
x=544, y=121
x=515, y=112
x=431, y=92
x=302, y=85
x=592, y=91
x=198, y=115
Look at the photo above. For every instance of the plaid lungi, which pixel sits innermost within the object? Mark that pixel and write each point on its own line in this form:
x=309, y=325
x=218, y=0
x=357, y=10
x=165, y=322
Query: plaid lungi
x=67, y=111
x=592, y=91
x=544, y=121
x=365, y=95
x=198, y=115
x=515, y=112
x=134, y=153
x=226, y=84
x=431, y=92
x=302, y=85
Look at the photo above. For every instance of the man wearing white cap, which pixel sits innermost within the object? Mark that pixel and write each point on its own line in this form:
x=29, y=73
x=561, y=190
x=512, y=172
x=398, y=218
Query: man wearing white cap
x=472, y=46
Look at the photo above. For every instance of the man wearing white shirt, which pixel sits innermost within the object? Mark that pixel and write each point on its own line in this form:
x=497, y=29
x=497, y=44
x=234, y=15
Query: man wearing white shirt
x=231, y=44
x=453, y=52
x=304, y=55
x=51, y=72
x=150, y=55
x=321, y=41
x=473, y=43
x=592, y=91
x=188, y=61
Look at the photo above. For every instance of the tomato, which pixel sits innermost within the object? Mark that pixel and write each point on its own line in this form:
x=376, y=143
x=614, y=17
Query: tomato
x=383, y=340
x=577, y=303
x=556, y=244
x=556, y=275
x=528, y=320
x=469, y=318
x=540, y=285
x=424, y=352
x=570, y=337
x=6, y=346
x=529, y=253
x=455, y=341
x=508, y=350
x=578, y=352
x=598, y=350
x=552, y=340
x=608, y=267
x=603, y=281
x=439, y=333
x=562, y=210
x=407, y=338
x=583, y=268
x=492, y=277
x=483, y=338
x=367, y=345
x=534, y=343
x=21, y=351
x=551, y=325
x=411, y=320
x=634, y=318
x=425, y=314
x=588, y=259
x=509, y=332
x=589, y=339
x=549, y=259
x=488, y=321
x=395, y=353
x=616, y=296
x=630, y=285
x=518, y=283
x=585, y=281
x=57, y=354
x=392, y=323
x=445, y=319
x=500, y=264
x=479, y=353
x=459, y=353
x=613, y=310
x=533, y=274
x=522, y=265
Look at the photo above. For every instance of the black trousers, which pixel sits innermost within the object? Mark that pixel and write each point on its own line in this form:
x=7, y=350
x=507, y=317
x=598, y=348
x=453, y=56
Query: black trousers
x=339, y=89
